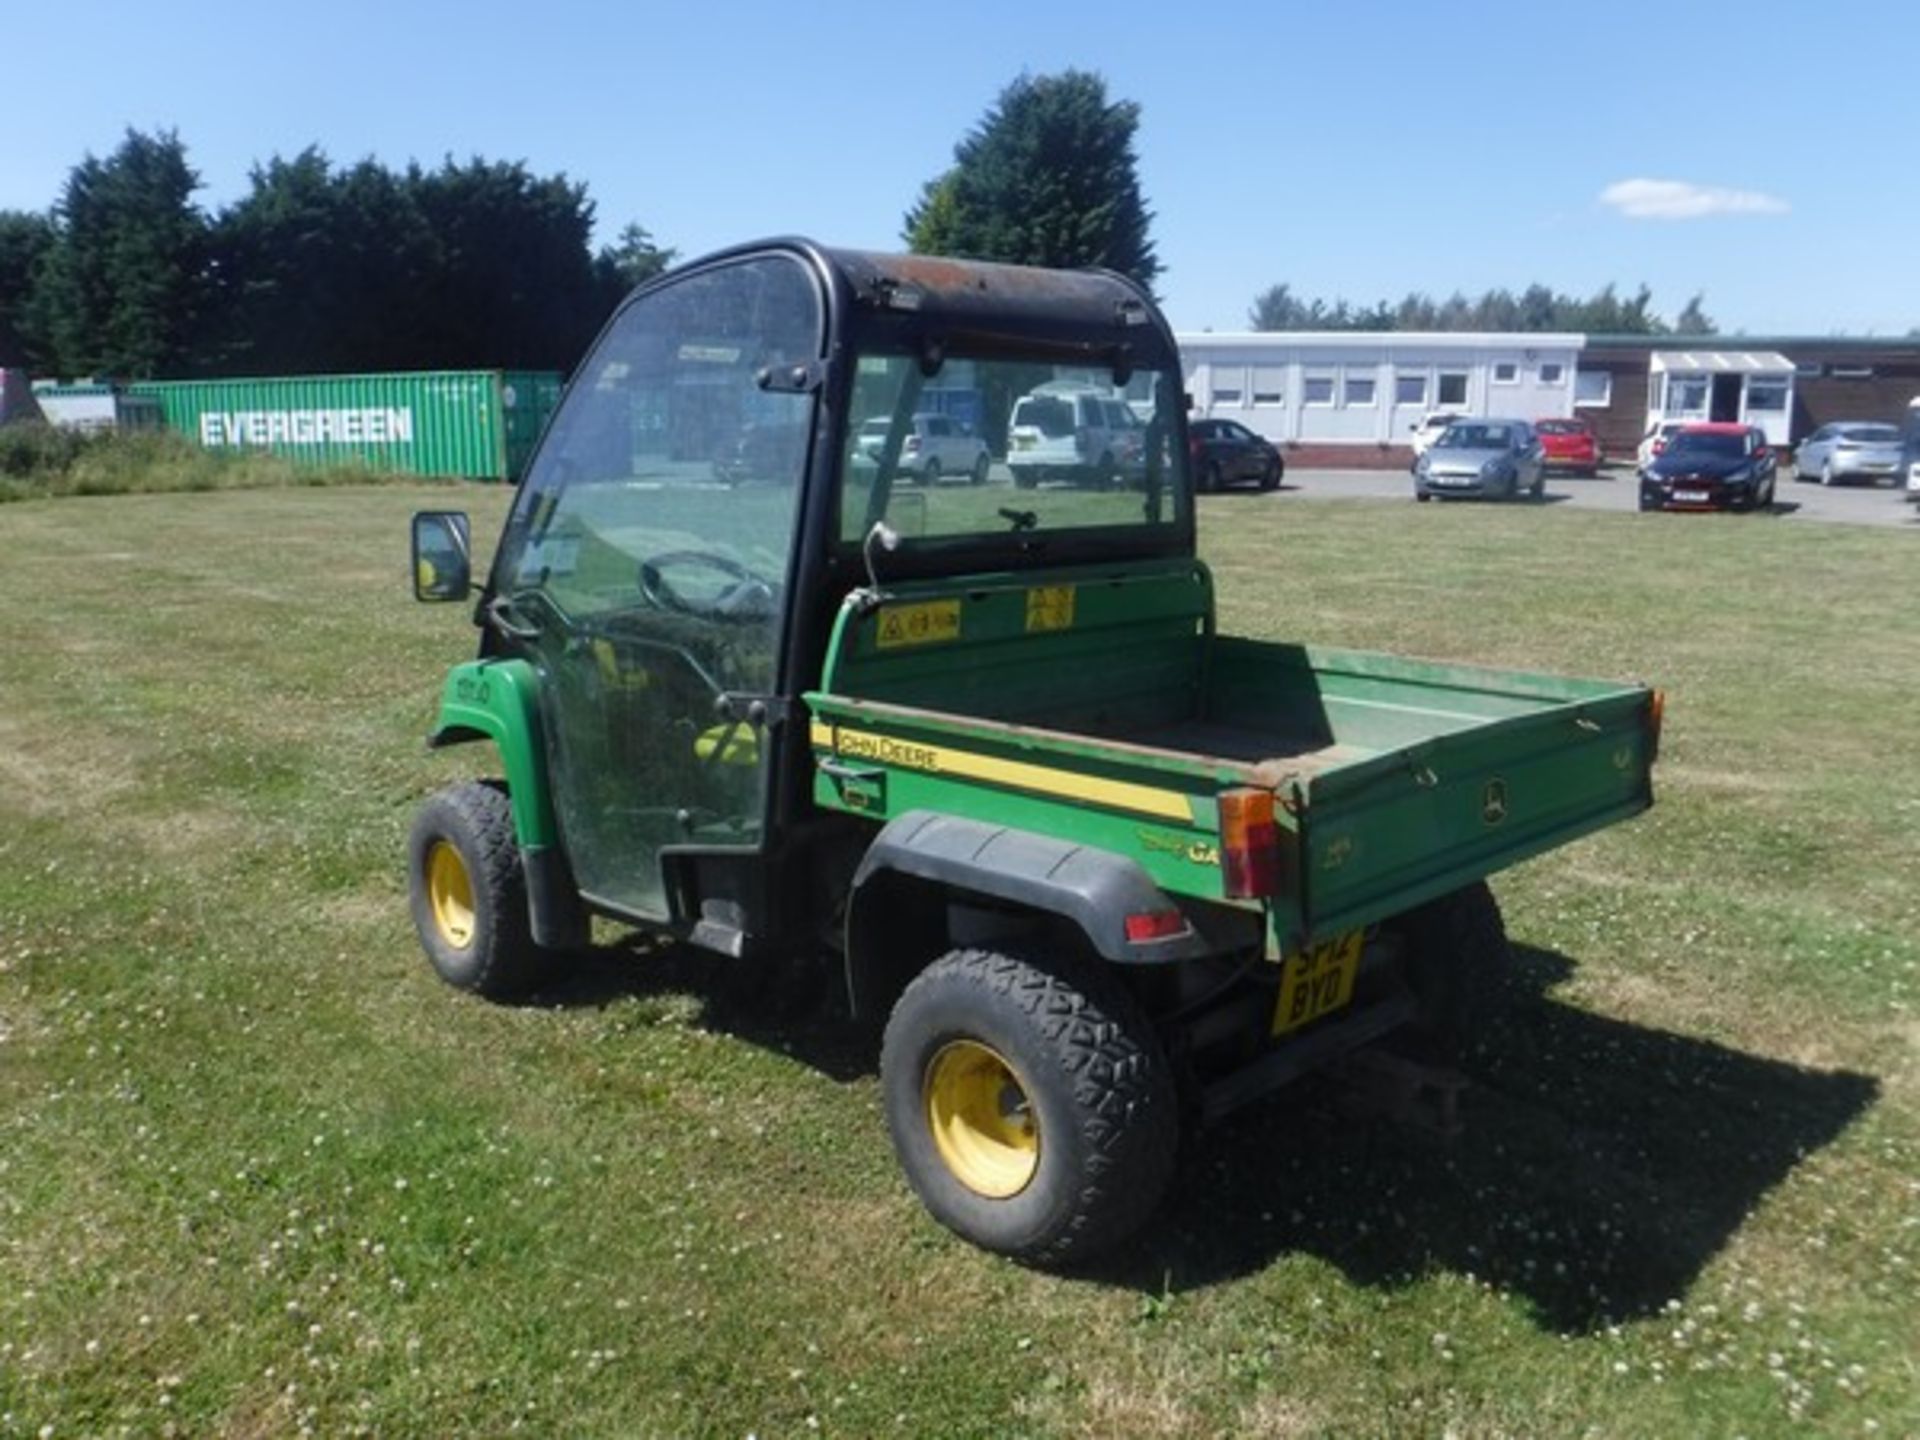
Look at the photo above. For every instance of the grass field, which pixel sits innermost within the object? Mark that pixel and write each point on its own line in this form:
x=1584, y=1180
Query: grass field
x=260, y=1173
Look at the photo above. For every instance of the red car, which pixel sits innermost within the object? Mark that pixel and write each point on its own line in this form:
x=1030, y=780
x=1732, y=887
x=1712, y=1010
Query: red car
x=1570, y=445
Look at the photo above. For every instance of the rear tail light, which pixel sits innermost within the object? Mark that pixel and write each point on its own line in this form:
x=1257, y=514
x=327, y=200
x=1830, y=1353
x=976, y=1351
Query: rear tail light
x=1249, y=844
x=1656, y=715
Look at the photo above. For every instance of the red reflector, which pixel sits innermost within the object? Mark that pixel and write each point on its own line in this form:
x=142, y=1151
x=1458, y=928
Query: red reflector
x=1249, y=844
x=1156, y=925
x=1656, y=716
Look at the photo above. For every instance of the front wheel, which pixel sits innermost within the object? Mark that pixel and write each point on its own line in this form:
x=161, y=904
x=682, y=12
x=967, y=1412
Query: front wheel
x=932, y=473
x=468, y=893
x=979, y=474
x=1029, y=1104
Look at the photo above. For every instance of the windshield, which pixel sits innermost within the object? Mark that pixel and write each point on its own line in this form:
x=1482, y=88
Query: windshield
x=1049, y=449
x=1561, y=427
x=666, y=446
x=1475, y=437
x=1707, y=442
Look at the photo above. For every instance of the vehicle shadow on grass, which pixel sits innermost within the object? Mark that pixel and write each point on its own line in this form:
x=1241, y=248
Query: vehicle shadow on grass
x=797, y=1012
x=1600, y=1167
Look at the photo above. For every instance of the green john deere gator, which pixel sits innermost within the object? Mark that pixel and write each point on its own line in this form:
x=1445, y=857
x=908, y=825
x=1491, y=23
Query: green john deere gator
x=772, y=663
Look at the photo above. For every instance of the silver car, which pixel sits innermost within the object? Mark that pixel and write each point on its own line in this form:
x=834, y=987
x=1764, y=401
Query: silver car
x=1849, y=451
x=1488, y=458
x=935, y=445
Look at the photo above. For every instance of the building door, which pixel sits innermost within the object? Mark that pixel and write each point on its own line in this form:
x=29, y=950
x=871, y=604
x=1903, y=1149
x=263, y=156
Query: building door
x=1725, y=406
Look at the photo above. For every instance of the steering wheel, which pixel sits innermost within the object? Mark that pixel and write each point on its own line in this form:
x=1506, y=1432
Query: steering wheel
x=747, y=598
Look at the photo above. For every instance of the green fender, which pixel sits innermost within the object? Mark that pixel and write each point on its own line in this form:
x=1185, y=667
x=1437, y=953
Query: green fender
x=499, y=700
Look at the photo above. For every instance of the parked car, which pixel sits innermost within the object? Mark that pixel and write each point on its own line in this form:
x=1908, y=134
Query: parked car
x=1710, y=467
x=1655, y=440
x=1429, y=429
x=1129, y=434
x=1849, y=451
x=934, y=446
x=1487, y=458
x=1065, y=432
x=1225, y=452
x=1570, y=445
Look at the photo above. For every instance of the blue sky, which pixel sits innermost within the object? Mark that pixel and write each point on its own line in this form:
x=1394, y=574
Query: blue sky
x=1350, y=149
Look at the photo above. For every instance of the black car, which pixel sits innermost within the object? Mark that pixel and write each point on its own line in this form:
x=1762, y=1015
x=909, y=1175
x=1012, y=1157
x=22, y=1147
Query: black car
x=1710, y=467
x=1225, y=452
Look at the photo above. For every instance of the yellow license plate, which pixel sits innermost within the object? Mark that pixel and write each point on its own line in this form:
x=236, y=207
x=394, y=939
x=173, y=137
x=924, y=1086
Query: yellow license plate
x=1318, y=982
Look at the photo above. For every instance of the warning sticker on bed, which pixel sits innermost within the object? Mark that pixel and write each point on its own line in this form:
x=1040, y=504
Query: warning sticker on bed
x=1050, y=607
x=930, y=622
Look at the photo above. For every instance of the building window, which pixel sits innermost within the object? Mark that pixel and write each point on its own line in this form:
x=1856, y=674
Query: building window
x=1229, y=396
x=1228, y=385
x=1850, y=372
x=1593, y=387
x=1766, y=395
x=1409, y=389
x=1269, y=384
x=1810, y=369
x=1359, y=388
x=1506, y=372
x=1552, y=372
x=1317, y=389
x=1657, y=393
x=1453, y=388
x=1687, y=395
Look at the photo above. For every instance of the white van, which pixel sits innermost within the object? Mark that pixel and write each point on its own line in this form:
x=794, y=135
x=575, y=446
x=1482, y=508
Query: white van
x=1068, y=432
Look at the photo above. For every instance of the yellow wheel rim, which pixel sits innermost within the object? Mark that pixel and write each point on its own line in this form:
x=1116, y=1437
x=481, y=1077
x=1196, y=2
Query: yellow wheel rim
x=450, y=894
x=982, y=1120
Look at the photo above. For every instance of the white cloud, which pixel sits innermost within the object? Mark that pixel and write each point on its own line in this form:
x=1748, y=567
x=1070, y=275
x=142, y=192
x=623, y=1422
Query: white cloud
x=1641, y=199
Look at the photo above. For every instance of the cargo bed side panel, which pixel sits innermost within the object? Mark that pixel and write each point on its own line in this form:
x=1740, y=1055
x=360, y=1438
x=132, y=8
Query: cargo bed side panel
x=1406, y=826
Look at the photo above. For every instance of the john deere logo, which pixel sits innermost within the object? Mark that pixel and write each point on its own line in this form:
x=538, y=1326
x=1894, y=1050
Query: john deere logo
x=1493, y=804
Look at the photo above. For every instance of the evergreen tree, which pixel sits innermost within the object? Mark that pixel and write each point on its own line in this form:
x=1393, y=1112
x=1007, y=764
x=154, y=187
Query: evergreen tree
x=1694, y=320
x=1049, y=178
x=630, y=261
x=123, y=285
x=25, y=239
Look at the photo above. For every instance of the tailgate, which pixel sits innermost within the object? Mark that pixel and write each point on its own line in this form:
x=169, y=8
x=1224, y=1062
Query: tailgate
x=1380, y=835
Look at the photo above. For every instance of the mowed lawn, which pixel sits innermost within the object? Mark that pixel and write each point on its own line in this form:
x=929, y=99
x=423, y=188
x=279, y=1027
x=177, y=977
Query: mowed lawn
x=261, y=1173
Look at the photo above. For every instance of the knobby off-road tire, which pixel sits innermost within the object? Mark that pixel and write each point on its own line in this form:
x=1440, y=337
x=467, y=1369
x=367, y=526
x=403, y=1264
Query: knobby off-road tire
x=1458, y=962
x=468, y=894
x=1079, y=1147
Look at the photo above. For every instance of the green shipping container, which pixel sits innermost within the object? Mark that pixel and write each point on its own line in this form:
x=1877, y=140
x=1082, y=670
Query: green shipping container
x=477, y=424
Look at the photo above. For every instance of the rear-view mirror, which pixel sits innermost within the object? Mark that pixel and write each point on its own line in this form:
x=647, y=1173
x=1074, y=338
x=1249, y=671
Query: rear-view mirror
x=442, y=555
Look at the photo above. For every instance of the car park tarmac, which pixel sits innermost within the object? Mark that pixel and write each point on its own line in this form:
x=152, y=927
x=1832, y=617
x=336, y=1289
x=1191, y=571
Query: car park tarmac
x=1615, y=488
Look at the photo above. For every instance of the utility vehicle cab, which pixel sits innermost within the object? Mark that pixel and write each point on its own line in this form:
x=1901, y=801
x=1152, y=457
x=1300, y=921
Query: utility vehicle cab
x=673, y=617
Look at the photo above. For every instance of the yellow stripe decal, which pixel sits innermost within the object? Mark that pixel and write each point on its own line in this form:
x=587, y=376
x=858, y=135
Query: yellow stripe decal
x=970, y=765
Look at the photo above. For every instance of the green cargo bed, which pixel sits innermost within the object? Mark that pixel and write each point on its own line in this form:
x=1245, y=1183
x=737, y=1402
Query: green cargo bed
x=1116, y=717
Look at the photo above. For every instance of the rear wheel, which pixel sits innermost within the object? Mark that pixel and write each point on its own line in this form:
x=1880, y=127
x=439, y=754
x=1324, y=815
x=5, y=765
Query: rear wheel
x=1458, y=962
x=931, y=475
x=1029, y=1104
x=1827, y=476
x=979, y=473
x=468, y=894
x=1210, y=480
x=1270, y=477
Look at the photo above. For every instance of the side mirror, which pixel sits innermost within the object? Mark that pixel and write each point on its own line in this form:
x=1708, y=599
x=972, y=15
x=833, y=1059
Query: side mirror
x=442, y=555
